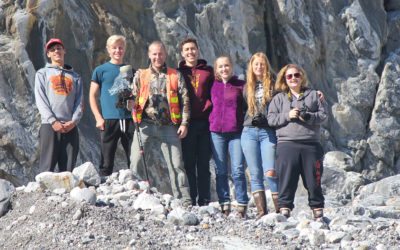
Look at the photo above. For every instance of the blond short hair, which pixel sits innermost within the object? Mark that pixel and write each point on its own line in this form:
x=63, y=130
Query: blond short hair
x=116, y=38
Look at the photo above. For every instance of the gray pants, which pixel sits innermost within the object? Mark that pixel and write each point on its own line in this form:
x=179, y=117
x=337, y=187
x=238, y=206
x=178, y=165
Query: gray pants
x=57, y=149
x=165, y=139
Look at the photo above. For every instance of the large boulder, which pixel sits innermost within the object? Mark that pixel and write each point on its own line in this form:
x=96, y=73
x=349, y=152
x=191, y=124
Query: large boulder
x=52, y=181
x=87, y=173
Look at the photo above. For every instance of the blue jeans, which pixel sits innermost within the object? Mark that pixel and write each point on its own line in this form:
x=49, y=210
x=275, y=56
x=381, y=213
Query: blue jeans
x=222, y=143
x=259, y=145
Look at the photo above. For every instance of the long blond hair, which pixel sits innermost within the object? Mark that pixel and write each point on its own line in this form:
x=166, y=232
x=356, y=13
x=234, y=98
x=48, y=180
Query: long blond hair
x=252, y=80
x=281, y=84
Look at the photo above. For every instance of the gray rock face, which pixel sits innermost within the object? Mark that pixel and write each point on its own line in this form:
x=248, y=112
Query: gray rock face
x=348, y=48
x=6, y=190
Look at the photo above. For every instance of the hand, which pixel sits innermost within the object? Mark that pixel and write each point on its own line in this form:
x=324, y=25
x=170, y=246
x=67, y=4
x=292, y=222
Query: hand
x=294, y=113
x=130, y=104
x=321, y=96
x=100, y=123
x=58, y=127
x=182, y=131
x=68, y=126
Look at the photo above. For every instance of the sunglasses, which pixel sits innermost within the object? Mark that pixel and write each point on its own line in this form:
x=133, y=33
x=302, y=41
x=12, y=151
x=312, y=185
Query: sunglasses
x=55, y=48
x=295, y=75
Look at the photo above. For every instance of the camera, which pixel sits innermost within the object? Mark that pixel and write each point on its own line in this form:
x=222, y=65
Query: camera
x=122, y=86
x=304, y=114
x=123, y=97
x=258, y=120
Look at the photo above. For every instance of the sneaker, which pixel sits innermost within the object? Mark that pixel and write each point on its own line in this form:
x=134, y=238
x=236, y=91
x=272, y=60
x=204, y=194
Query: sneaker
x=285, y=212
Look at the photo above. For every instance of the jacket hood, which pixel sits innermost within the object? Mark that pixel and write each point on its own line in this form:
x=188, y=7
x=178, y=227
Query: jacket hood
x=201, y=63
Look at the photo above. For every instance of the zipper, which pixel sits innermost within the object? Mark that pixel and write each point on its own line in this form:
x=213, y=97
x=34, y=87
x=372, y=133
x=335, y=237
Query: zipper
x=223, y=106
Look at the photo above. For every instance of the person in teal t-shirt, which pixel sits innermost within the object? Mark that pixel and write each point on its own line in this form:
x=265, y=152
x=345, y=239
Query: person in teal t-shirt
x=114, y=123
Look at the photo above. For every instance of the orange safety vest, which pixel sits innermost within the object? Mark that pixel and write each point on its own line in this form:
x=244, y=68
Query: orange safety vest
x=172, y=96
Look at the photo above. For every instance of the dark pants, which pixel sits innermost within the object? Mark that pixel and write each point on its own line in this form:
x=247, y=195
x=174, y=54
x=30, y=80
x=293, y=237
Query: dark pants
x=303, y=159
x=110, y=136
x=57, y=148
x=196, y=150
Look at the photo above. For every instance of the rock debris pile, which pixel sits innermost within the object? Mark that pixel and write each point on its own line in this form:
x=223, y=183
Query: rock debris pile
x=79, y=210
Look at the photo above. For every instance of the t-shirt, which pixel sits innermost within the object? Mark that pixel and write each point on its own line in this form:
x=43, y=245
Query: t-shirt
x=104, y=75
x=259, y=94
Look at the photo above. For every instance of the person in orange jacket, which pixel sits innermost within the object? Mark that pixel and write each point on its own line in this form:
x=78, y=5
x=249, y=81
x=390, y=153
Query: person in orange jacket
x=161, y=110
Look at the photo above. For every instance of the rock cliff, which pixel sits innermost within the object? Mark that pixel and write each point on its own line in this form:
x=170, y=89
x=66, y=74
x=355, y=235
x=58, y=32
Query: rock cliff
x=350, y=50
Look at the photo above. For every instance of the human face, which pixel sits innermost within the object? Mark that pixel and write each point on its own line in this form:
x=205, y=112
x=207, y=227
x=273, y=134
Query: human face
x=116, y=51
x=56, y=54
x=293, y=79
x=258, y=66
x=190, y=54
x=224, y=68
x=157, y=56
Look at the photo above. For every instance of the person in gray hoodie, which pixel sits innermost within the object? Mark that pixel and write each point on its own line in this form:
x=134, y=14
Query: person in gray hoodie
x=297, y=113
x=59, y=98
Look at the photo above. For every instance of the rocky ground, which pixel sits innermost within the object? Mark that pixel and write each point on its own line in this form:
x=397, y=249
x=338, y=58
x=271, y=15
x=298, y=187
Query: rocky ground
x=58, y=212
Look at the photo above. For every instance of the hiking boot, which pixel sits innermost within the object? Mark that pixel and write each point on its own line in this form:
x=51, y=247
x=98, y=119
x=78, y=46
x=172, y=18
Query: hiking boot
x=242, y=209
x=226, y=209
x=261, y=204
x=318, y=214
x=285, y=212
x=275, y=201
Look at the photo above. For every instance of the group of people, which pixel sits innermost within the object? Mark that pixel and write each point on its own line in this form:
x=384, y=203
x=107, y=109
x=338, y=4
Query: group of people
x=192, y=113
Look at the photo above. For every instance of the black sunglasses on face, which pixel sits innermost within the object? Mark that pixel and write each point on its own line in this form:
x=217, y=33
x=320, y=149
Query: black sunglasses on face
x=55, y=48
x=295, y=75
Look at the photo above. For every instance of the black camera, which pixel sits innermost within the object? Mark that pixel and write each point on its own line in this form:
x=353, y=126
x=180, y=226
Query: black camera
x=258, y=120
x=304, y=114
x=123, y=98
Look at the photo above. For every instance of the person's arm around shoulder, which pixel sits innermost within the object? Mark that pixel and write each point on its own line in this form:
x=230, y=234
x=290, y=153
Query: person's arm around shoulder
x=182, y=130
x=276, y=117
x=320, y=115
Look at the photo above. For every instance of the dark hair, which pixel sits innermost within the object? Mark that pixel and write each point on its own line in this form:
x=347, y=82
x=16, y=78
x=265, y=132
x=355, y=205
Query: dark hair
x=187, y=40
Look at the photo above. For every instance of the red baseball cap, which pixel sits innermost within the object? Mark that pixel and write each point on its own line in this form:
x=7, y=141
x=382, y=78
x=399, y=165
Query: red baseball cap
x=53, y=41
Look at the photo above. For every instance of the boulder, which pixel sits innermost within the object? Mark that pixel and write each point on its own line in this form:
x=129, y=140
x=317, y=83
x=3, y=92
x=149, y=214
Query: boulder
x=146, y=201
x=51, y=181
x=83, y=194
x=87, y=173
x=6, y=190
